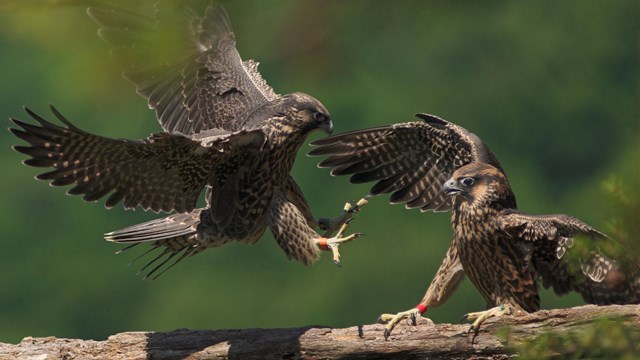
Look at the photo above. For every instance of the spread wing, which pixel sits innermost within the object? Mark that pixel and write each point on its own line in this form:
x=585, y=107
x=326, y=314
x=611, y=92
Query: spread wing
x=195, y=83
x=164, y=172
x=565, y=263
x=409, y=160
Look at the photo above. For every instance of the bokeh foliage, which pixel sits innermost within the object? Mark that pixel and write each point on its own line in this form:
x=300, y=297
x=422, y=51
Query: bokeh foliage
x=602, y=339
x=552, y=87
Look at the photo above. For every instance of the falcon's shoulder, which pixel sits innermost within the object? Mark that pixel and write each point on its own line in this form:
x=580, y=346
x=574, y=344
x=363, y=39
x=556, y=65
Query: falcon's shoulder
x=195, y=82
x=409, y=160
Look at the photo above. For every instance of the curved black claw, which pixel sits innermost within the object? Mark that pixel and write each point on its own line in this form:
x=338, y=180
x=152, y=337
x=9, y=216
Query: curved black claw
x=479, y=318
x=414, y=319
x=392, y=320
x=475, y=330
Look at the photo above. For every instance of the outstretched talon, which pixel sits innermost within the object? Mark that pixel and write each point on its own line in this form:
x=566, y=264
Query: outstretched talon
x=332, y=243
x=330, y=225
x=479, y=317
x=412, y=316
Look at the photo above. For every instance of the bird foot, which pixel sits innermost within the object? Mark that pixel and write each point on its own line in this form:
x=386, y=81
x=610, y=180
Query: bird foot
x=333, y=243
x=331, y=225
x=391, y=320
x=480, y=317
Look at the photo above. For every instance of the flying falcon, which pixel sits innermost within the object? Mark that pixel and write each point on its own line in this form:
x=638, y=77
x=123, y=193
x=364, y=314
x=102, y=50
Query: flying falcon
x=225, y=131
x=436, y=165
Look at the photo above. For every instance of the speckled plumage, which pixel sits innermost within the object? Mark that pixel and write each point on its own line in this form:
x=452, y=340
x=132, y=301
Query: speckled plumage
x=225, y=130
x=410, y=161
x=503, y=251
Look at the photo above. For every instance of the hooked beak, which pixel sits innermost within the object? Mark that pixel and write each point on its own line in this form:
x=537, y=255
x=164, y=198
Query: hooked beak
x=327, y=126
x=451, y=188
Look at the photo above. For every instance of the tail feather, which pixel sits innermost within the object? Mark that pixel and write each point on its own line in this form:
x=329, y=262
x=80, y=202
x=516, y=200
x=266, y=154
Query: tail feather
x=620, y=284
x=159, y=229
x=599, y=279
x=174, y=235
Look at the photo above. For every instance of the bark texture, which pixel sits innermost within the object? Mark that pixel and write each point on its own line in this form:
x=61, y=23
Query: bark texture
x=496, y=340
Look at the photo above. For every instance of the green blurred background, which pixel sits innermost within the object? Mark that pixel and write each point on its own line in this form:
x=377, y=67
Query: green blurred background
x=551, y=87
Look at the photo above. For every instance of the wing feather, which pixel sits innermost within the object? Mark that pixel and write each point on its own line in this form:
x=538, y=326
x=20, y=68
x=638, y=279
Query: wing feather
x=565, y=266
x=410, y=160
x=195, y=83
x=162, y=173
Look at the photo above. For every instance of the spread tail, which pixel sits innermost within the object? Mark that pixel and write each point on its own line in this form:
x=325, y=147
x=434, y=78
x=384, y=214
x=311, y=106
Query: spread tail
x=175, y=235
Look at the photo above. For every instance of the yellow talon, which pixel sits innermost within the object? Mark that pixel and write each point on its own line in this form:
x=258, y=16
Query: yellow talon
x=392, y=320
x=341, y=223
x=478, y=318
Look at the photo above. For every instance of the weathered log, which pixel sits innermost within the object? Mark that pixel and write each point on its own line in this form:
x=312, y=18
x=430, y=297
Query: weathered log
x=498, y=339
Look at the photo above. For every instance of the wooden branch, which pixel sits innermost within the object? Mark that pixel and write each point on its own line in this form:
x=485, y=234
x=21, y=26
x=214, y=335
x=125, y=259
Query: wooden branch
x=425, y=340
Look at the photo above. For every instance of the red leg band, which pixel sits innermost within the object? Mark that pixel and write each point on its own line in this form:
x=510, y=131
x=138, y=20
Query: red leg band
x=322, y=244
x=421, y=308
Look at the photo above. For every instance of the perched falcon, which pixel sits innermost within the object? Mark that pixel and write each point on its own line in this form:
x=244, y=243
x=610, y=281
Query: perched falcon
x=225, y=130
x=436, y=165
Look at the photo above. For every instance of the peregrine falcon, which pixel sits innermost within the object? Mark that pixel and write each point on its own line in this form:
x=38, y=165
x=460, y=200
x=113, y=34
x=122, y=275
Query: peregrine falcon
x=225, y=131
x=436, y=165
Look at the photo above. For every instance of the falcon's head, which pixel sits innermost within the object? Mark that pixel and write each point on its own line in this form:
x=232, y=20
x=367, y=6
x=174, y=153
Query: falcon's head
x=480, y=183
x=305, y=114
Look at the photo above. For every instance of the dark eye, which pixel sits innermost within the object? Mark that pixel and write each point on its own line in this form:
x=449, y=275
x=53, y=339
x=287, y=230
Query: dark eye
x=468, y=181
x=318, y=116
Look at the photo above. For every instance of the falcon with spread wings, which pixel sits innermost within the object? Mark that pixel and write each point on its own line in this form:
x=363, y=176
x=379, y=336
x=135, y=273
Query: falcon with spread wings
x=436, y=165
x=225, y=131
